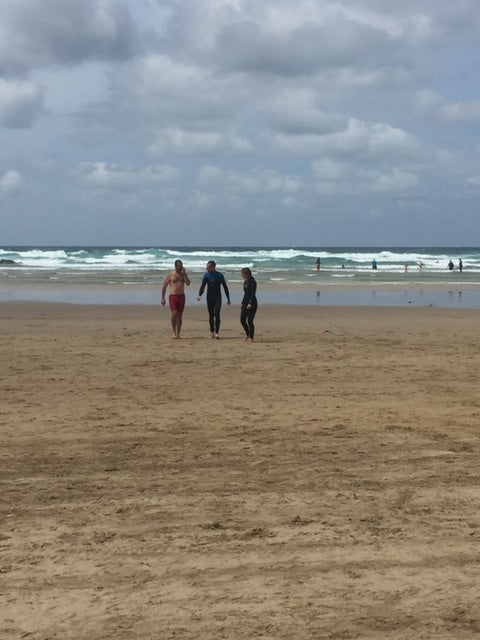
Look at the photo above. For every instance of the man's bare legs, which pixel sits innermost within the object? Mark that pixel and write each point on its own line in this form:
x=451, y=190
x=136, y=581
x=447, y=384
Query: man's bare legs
x=177, y=317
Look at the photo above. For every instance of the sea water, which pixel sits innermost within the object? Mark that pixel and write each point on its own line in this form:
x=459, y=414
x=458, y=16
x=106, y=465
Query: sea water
x=284, y=274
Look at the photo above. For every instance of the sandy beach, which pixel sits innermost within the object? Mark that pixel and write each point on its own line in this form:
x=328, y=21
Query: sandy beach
x=322, y=483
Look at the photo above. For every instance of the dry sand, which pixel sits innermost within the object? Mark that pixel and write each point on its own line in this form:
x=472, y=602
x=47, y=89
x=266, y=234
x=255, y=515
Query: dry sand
x=320, y=483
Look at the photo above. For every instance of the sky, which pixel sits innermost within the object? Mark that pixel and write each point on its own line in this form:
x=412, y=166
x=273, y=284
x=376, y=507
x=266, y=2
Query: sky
x=240, y=122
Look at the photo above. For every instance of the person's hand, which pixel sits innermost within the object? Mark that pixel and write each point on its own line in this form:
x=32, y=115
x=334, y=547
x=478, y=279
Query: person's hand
x=199, y=297
x=163, y=302
x=249, y=306
x=229, y=302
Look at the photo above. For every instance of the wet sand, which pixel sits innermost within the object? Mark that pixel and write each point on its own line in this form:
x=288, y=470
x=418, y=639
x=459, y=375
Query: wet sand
x=320, y=483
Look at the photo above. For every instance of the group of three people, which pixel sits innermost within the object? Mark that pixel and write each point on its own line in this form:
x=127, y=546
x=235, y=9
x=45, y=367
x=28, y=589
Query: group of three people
x=213, y=281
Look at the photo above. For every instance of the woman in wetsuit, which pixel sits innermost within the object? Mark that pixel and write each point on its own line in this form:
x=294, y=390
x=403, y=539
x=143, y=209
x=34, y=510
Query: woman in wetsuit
x=249, y=304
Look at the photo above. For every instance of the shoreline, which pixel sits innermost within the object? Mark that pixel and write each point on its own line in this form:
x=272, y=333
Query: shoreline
x=444, y=295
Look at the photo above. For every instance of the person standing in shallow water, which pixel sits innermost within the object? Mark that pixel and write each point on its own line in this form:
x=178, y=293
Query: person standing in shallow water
x=176, y=281
x=249, y=304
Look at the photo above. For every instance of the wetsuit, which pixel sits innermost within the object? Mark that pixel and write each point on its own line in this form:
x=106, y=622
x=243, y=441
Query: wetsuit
x=214, y=280
x=249, y=298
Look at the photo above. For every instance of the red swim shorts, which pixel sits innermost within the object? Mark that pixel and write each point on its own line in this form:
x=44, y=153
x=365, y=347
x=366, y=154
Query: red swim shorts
x=177, y=302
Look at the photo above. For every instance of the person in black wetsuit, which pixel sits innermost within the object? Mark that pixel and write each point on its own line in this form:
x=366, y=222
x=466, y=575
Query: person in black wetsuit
x=249, y=304
x=214, y=280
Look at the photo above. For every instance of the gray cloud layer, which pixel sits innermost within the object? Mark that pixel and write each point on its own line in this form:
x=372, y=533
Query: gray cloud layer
x=238, y=122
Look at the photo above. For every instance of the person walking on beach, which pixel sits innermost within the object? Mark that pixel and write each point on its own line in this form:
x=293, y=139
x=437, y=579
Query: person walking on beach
x=249, y=304
x=176, y=281
x=214, y=281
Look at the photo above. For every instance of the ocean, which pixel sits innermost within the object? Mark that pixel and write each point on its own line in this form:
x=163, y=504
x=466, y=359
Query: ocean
x=404, y=275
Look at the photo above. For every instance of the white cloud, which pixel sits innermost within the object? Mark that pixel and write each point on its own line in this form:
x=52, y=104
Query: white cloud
x=183, y=142
x=433, y=105
x=331, y=177
x=298, y=113
x=20, y=103
x=10, y=181
x=112, y=177
x=253, y=182
x=360, y=140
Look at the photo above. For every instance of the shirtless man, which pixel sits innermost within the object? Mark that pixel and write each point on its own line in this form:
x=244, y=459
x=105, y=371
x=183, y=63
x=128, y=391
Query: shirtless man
x=176, y=281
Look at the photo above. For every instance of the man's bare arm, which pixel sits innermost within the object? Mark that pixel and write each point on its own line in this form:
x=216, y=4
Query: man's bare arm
x=165, y=287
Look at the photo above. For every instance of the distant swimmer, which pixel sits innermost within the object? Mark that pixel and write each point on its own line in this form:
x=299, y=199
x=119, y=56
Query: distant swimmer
x=318, y=263
x=374, y=264
x=451, y=266
x=420, y=265
x=460, y=265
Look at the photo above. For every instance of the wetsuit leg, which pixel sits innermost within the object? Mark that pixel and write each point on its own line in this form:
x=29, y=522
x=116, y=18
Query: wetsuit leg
x=243, y=321
x=246, y=318
x=214, y=305
x=218, y=306
x=250, y=318
x=211, y=314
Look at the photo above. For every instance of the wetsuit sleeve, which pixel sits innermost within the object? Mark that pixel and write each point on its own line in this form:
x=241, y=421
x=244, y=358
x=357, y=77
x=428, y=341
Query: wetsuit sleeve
x=202, y=286
x=225, y=288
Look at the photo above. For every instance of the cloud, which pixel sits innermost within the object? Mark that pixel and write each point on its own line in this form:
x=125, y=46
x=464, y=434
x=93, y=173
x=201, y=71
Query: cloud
x=333, y=177
x=362, y=141
x=300, y=111
x=435, y=106
x=253, y=182
x=10, y=182
x=112, y=177
x=38, y=33
x=181, y=142
x=20, y=103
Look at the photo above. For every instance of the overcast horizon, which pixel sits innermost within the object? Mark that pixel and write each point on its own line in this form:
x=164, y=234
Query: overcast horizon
x=239, y=123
